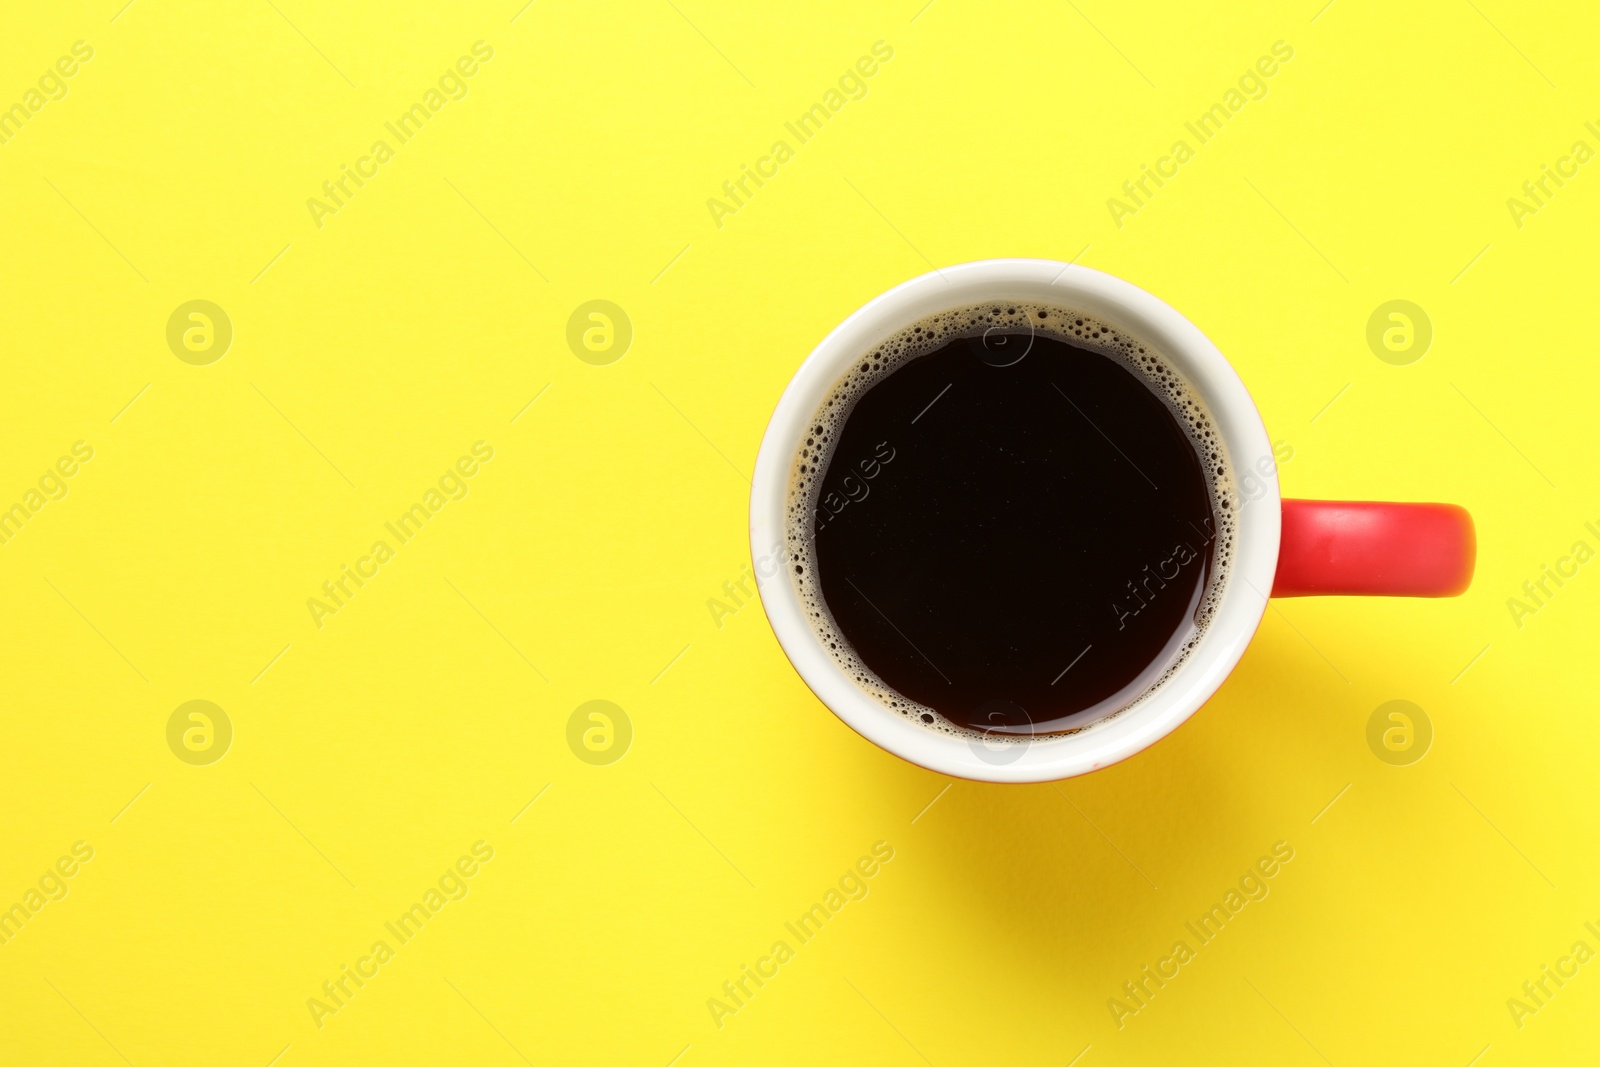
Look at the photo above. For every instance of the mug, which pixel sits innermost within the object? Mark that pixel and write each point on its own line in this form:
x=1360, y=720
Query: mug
x=1283, y=547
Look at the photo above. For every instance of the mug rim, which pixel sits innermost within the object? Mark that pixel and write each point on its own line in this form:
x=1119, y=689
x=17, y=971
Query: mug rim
x=1239, y=607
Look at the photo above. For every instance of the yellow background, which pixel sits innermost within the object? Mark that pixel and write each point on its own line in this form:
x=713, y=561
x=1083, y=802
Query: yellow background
x=370, y=353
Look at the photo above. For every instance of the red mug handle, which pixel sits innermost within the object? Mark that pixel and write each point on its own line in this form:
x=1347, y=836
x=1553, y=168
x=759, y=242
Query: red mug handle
x=1368, y=548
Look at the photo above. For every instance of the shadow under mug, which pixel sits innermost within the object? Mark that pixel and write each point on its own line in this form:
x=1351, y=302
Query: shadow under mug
x=1283, y=547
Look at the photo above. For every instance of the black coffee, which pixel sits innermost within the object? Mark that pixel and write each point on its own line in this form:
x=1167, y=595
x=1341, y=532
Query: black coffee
x=1014, y=530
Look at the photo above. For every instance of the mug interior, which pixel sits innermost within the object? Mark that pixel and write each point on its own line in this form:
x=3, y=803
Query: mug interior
x=1239, y=603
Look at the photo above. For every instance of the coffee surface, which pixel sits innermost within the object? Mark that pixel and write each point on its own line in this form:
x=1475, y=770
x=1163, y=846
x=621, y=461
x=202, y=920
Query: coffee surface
x=1013, y=531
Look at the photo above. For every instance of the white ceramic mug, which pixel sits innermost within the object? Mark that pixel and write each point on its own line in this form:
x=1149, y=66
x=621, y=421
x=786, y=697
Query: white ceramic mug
x=1384, y=549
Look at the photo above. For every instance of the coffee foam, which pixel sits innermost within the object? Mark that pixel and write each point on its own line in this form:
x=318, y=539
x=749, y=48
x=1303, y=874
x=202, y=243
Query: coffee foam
x=981, y=320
